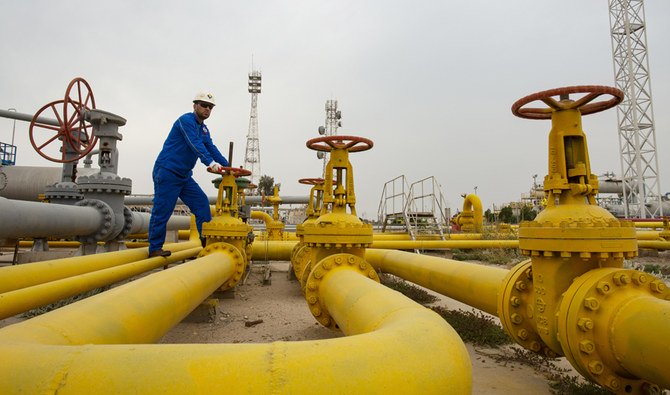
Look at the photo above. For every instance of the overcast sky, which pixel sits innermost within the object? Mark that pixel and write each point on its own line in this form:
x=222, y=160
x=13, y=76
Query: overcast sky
x=430, y=82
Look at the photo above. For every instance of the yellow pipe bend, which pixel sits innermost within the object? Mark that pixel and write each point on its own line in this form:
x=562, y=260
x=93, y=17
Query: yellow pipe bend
x=53, y=352
x=24, y=299
x=472, y=284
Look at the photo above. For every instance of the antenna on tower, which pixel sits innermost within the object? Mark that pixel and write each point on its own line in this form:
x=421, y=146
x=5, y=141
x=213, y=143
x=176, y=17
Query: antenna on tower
x=252, y=157
x=333, y=121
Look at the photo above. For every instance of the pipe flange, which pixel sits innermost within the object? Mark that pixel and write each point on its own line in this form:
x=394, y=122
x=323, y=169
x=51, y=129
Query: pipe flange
x=583, y=237
x=299, y=258
x=341, y=261
x=583, y=322
x=104, y=182
x=104, y=231
x=304, y=275
x=62, y=190
x=239, y=258
x=516, y=309
x=127, y=224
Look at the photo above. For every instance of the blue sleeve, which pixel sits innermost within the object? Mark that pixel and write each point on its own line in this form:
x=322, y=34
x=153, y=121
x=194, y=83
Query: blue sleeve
x=191, y=133
x=220, y=159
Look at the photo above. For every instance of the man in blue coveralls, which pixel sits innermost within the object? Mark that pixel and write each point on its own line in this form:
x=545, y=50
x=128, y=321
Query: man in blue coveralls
x=188, y=141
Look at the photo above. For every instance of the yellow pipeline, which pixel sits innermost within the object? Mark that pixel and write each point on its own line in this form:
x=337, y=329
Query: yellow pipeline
x=405, y=236
x=443, y=244
x=654, y=244
x=472, y=284
x=138, y=312
x=471, y=218
x=272, y=250
x=37, y=357
x=21, y=276
x=24, y=299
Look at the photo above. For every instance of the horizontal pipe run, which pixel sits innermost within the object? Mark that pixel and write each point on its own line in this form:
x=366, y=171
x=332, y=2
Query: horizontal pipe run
x=147, y=200
x=654, y=244
x=272, y=250
x=76, y=244
x=32, y=219
x=141, y=311
x=405, y=236
x=24, y=299
x=472, y=284
x=426, y=357
x=638, y=338
x=443, y=244
x=21, y=276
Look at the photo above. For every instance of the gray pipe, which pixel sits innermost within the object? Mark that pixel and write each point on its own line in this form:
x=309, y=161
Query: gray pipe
x=28, y=182
x=32, y=219
x=27, y=117
x=141, y=222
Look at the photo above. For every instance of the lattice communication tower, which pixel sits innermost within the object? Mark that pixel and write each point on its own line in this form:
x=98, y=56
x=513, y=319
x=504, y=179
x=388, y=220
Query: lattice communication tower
x=333, y=121
x=635, y=115
x=252, y=157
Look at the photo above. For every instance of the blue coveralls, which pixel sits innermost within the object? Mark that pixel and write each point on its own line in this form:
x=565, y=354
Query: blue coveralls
x=187, y=141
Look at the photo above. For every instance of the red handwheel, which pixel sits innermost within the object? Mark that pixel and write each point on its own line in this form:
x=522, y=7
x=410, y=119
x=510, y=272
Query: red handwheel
x=52, y=141
x=583, y=103
x=350, y=143
x=78, y=99
x=236, y=171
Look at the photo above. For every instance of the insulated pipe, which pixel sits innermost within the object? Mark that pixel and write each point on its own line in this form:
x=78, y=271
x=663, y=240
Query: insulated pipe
x=273, y=250
x=427, y=355
x=32, y=219
x=21, y=276
x=141, y=222
x=472, y=284
x=637, y=331
x=24, y=299
x=28, y=182
x=443, y=244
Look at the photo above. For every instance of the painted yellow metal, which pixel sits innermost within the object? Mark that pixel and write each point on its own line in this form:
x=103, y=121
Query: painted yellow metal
x=274, y=228
x=470, y=219
x=272, y=250
x=138, y=312
x=611, y=322
x=21, y=276
x=567, y=300
x=472, y=284
x=443, y=244
x=424, y=347
x=654, y=244
x=406, y=236
x=24, y=299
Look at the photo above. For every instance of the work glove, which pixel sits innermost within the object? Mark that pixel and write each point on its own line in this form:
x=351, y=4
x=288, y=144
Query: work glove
x=215, y=167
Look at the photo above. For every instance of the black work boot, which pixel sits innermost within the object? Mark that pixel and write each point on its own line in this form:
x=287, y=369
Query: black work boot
x=161, y=252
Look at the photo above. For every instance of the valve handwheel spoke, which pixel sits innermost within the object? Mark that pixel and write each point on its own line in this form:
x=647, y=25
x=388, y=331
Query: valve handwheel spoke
x=350, y=143
x=584, y=104
x=49, y=140
x=78, y=99
x=236, y=171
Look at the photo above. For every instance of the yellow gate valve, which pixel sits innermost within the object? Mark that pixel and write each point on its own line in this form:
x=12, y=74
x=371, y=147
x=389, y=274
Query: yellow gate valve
x=226, y=227
x=301, y=251
x=540, y=304
x=336, y=230
x=275, y=229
